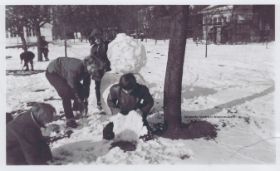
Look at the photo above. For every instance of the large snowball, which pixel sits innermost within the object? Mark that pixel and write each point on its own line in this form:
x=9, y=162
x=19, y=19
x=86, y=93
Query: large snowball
x=128, y=127
x=126, y=54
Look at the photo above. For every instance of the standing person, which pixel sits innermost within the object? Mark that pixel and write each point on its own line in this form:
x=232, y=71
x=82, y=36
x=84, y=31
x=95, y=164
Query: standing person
x=128, y=95
x=43, y=45
x=65, y=75
x=25, y=142
x=99, y=55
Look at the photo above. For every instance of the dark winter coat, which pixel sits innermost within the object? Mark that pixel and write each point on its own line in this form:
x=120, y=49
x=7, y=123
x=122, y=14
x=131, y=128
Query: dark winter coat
x=27, y=56
x=25, y=143
x=139, y=98
x=72, y=71
x=99, y=54
x=43, y=44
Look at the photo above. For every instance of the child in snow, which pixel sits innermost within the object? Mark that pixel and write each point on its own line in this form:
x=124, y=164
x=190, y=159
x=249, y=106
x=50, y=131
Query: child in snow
x=27, y=57
x=99, y=55
x=128, y=98
x=43, y=45
x=65, y=75
x=25, y=143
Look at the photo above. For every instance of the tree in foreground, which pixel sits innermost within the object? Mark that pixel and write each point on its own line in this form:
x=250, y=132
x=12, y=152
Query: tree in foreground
x=176, y=129
x=174, y=70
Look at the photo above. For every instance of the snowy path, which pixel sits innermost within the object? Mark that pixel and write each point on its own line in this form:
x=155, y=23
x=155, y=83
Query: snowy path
x=232, y=88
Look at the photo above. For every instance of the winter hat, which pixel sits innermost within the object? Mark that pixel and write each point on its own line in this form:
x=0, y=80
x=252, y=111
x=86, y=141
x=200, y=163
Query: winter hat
x=43, y=113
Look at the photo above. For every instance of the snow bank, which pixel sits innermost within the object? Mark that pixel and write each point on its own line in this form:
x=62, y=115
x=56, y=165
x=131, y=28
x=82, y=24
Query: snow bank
x=126, y=54
x=128, y=127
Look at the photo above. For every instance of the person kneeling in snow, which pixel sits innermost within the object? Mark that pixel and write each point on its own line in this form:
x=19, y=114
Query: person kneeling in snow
x=65, y=75
x=126, y=99
x=25, y=143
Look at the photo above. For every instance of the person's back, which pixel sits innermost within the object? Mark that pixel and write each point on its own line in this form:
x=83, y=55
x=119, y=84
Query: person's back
x=71, y=79
x=24, y=141
x=71, y=69
x=27, y=55
x=21, y=130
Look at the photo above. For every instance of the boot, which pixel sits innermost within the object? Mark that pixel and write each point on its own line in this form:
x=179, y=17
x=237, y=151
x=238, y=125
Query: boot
x=71, y=123
x=99, y=106
x=108, y=133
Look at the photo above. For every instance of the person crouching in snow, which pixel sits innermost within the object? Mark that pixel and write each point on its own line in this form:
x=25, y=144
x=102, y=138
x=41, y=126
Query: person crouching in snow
x=27, y=57
x=98, y=54
x=65, y=75
x=128, y=98
x=25, y=142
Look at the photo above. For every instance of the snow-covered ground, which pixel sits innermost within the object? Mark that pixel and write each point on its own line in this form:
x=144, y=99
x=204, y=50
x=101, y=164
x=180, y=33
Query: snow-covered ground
x=232, y=88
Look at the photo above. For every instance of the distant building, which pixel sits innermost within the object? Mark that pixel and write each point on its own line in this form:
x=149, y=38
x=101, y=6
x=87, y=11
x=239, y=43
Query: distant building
x=238, y=23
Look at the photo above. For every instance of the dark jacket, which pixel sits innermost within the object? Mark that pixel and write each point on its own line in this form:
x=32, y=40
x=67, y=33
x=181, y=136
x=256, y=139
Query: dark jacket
x=73, y=71
x=99, y=54
x=25, y=143
x=27, y=56
x=43, y=44
x=139, y=98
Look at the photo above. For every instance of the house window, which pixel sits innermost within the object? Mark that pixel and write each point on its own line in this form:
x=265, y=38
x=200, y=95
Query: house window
x=28, y=32
x=220, y=20
x=209, y=21
x=204, y=20
x=215, y=20
x=227, y=19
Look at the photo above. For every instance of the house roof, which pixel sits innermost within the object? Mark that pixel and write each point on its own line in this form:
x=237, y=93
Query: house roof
x=212, y=8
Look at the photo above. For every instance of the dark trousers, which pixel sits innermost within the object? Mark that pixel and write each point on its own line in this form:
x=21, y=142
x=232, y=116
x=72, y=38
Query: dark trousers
x=97, y=92
x=26, y=64
x=64, y=91
x=45, y=52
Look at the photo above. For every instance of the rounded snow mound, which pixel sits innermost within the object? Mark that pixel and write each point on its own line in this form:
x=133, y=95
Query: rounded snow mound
x=128, y=127
x=126, y=54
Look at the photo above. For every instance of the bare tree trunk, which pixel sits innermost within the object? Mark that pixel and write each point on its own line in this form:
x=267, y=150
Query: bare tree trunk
x=65, y=47
x=38, y=35
x=65, y=40
x=21, y=35
x=174, y=70
x=206, y=39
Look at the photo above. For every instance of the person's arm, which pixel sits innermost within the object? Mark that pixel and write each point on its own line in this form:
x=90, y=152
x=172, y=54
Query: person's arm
x=73, y=80
x=147, y=101
x=112, y=100
x=86, y=85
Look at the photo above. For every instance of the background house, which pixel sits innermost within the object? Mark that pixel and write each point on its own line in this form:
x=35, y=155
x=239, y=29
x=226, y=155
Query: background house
x=238, y=23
